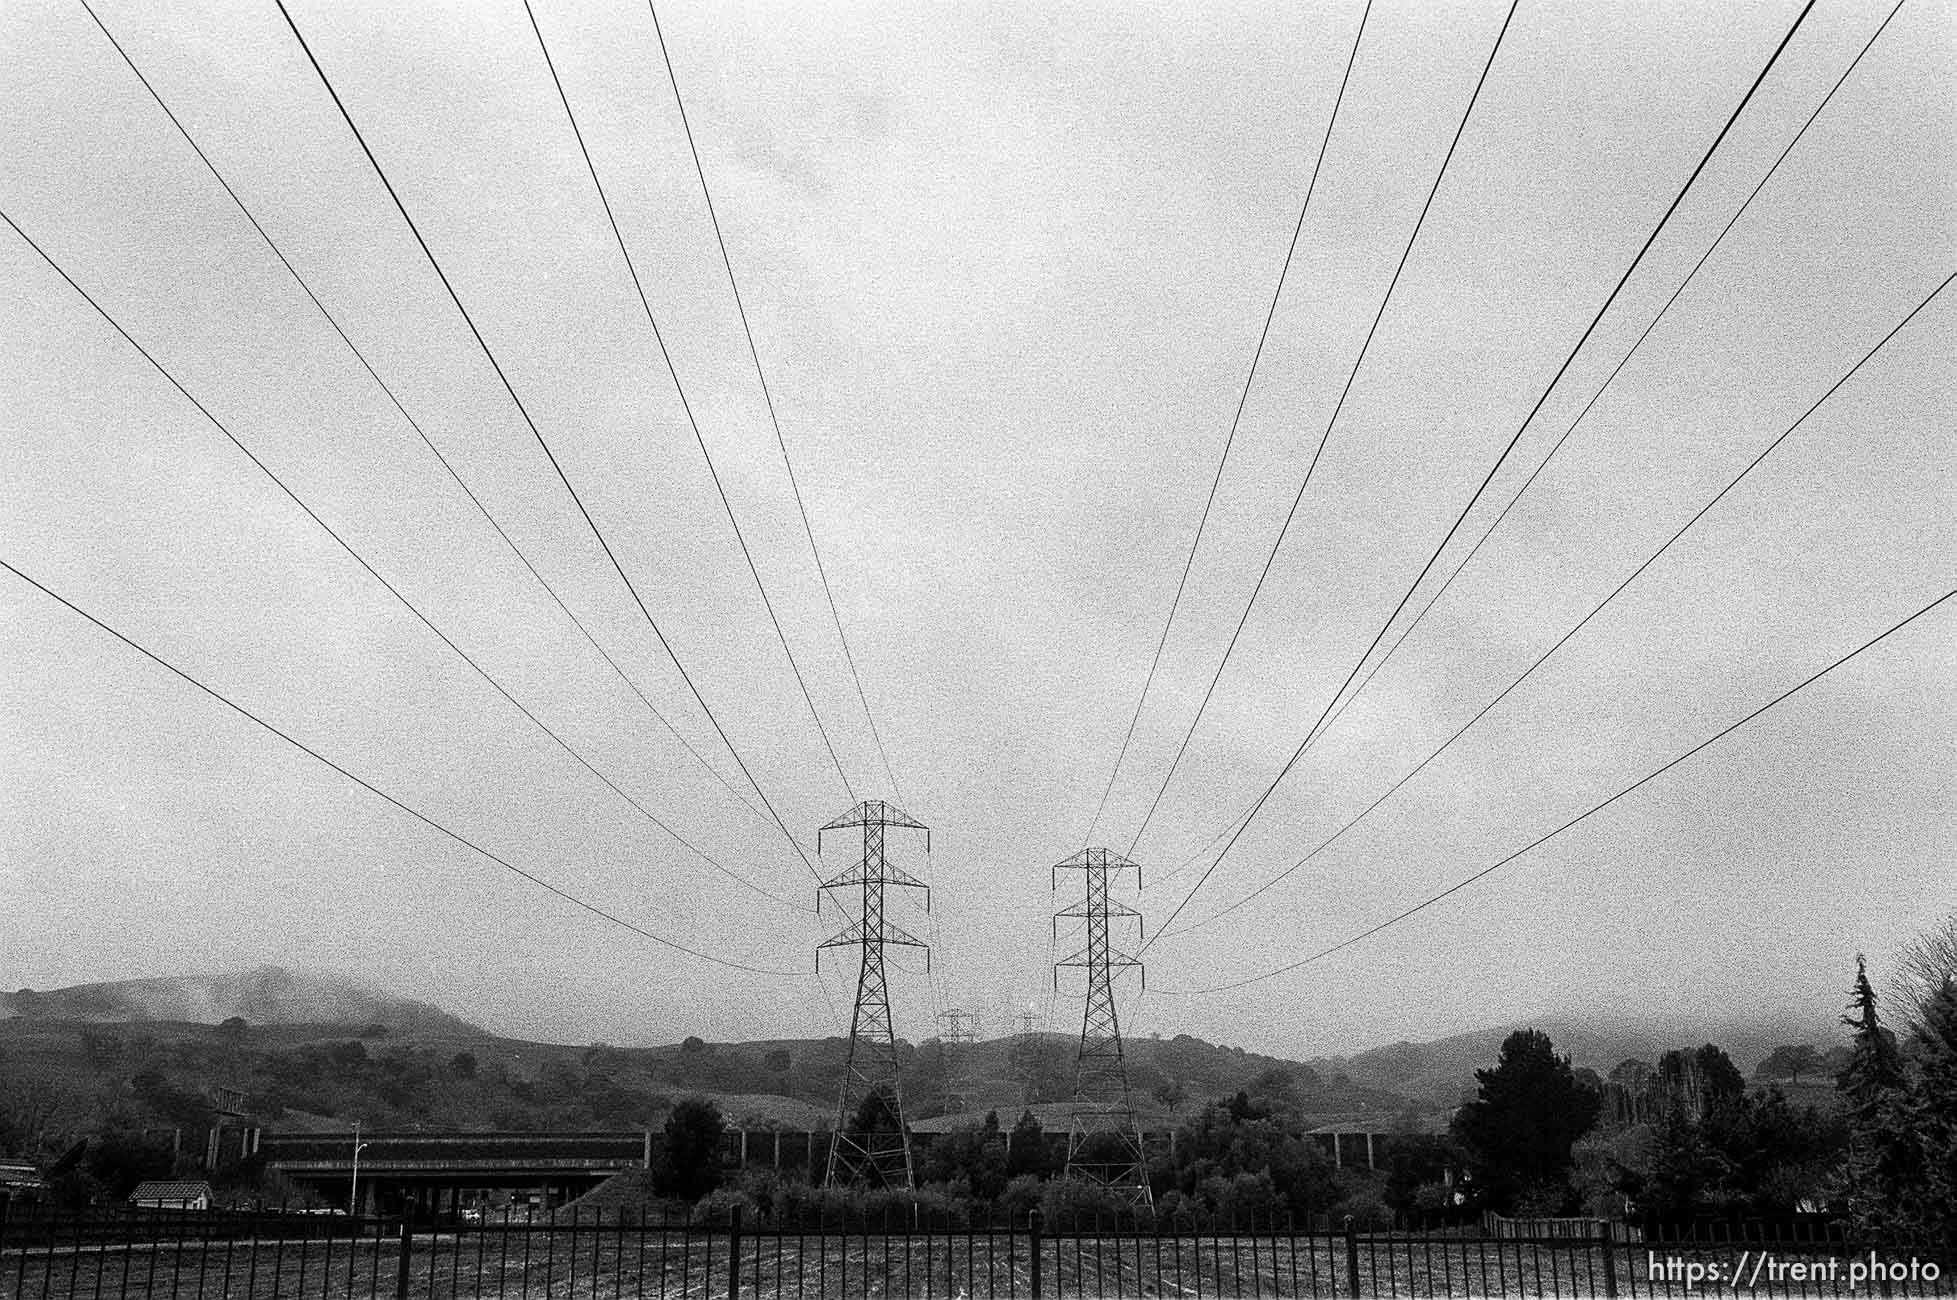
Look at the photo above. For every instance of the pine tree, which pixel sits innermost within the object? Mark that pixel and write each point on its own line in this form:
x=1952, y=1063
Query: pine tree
x=1928, y=1114
x=1027, y=1151
x=1519, y=1131
x=1875, y=1068
x=1881, y=1157
x=690, y=1166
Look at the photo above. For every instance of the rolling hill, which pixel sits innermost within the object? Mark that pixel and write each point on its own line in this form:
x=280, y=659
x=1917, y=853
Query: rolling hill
x=326, y=1049
x=265, y=995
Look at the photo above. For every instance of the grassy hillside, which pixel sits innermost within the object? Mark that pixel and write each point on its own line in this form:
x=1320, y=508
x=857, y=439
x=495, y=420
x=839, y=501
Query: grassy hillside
x=87, y=1059
x=326, y=1051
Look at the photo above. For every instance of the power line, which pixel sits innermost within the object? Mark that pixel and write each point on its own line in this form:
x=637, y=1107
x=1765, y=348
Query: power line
x=1584, y=621
x=774, y=420
x=1257, y=355
x=375, y=790
x=659, y=338
x=1493, y=470
x=1214, y=840
x=392, y=590
x=414, y=424
x=1612, y=378
x=1489, y=870
x=1278, y=543
x=537, y=433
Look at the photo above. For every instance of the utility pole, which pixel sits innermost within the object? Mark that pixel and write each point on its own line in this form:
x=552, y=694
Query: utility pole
x=956, y=1043
x=353, y=1192
x=870, y=1143
x=1104, y=1144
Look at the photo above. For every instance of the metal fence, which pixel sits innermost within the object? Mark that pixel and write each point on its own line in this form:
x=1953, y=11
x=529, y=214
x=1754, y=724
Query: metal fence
x=249, y=1256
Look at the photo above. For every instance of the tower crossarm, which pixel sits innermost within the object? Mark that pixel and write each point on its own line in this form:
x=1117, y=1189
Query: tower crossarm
x=1082, y=911
x=886, y=933
x=1089, y=912
x=1097, y=860
x=1085, y=960
x=875, y=812
x=880, y=871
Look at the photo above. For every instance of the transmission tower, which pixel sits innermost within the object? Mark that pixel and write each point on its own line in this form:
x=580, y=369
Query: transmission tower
x=1104, y=1144
x=1027, y=1055
x=956, y=1043
x=870, y=1143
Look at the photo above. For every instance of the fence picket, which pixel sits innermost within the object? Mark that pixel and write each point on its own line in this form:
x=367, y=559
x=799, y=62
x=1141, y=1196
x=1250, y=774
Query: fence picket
x=746, y=1254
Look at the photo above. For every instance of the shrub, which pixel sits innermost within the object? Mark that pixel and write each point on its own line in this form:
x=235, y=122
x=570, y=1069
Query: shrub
x=1368, y=1212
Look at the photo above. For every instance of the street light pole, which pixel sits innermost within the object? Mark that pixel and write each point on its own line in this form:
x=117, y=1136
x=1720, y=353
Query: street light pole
x=353, y=1194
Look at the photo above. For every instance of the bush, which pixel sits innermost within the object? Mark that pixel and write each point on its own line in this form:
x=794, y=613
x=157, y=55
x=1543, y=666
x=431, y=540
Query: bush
x=718, y=1207
x=974, y=1155
x=1066, y=1204
x=1175, y=1210
x=1433, y=1198
x=1020, y=1197
x=1368, y=1212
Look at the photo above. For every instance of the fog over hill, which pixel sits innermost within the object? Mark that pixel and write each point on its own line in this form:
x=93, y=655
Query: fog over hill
x=264, y=995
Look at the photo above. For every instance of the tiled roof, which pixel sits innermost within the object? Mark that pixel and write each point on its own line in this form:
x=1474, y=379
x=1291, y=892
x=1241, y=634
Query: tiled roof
x=188, y=1191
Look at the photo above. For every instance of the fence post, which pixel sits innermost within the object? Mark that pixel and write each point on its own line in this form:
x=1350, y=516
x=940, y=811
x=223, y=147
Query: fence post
x=734, y=1248
x=1033, y=1226
x=407, y=1247
x=1610, y=1259
x=1351, y=1259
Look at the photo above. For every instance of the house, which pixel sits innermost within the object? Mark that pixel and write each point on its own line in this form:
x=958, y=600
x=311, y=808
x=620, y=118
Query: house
x=189, y=1195
x=21, y=1179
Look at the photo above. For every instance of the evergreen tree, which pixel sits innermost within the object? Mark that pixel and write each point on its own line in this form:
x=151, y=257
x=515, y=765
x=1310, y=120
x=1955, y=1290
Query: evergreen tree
x=1027, y=1149
x=1518, y=1133
x=1415, y=1161
x=1929, y=1117
x=1881, y=1161
x=876, y=1113
x=973, y=1155
x=1722, y=1079
x=1774, y=1156
x=1681, y=1167
x=1875, y=1067
x=690, y=1164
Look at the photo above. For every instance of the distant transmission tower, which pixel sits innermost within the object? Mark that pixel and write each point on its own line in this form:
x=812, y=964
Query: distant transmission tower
x=1104, y=1144
x=959, y=1038
x=1027, y=1055
x=870, y=1143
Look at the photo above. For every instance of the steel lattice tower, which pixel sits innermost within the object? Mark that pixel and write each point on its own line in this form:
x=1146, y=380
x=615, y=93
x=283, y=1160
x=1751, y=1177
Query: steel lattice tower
x=1024, y=1055
x=956, y=1044
x=1104, y=1144
x=878, y=1150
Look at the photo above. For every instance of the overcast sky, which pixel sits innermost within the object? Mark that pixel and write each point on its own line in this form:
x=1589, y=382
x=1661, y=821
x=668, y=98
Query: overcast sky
x=1006, y=265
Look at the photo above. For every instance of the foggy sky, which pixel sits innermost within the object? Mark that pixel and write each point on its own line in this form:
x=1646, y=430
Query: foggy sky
x=1006, y=266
